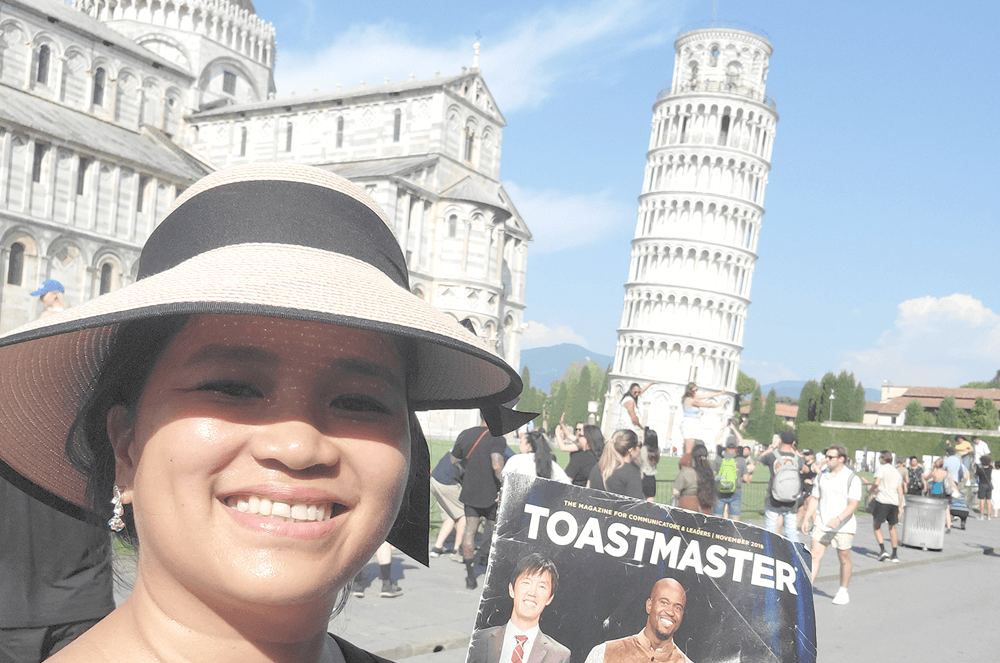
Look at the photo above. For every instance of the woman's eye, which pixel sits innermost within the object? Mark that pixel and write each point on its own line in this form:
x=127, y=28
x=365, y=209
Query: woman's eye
x=359, y=403
x=232, y=388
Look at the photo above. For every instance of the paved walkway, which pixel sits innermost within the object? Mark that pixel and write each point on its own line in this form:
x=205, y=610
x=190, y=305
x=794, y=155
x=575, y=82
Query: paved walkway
x=933, y=603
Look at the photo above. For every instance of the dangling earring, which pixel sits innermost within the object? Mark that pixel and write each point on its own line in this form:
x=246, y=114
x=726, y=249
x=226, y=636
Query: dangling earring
x=116, y=523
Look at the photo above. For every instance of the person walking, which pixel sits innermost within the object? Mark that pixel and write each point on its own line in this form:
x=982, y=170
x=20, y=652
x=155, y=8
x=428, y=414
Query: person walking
x=984, y=475
x=446, y=488
x=834, y=499
x=887, y=489
x=784, y=485
x=731, y=472
x=483, y=456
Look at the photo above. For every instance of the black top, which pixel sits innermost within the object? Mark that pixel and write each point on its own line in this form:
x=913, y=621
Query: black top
x=480, y=485
x=54, y=568
x=596, y=480
x=627, y=481
x=580, y=464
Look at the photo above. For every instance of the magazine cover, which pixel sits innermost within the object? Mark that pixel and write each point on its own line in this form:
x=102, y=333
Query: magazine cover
x=583, y=576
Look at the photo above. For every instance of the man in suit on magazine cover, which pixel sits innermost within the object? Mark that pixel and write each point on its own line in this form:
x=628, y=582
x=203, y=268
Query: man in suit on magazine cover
x=532, y=586
x=655, y=642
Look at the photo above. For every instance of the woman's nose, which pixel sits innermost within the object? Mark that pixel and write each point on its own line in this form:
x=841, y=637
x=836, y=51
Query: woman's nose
x=296, y=444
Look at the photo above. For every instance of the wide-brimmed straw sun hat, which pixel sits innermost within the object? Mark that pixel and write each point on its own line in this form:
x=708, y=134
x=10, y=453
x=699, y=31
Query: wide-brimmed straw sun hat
x=278, y=240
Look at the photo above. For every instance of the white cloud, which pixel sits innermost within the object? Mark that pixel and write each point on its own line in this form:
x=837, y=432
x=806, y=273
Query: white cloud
x=537, y=335
x=520, y=65
x=560, y=220
x=935, y=342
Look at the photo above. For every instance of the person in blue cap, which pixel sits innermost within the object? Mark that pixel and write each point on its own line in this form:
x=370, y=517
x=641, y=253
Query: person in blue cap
x=53, y=297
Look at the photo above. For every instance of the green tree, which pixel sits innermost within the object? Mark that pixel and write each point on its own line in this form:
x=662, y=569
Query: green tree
x=859, y=404
x=559, y=404
x=768, y=422
x=744, y=385
x=601, y=393
x=947, y=414
x=995, y=382
x=576, y=407
x=526, y=378
x=914, y=413
x=984, y=415
x=808, y=402
x=844, y=401
x=977, y=385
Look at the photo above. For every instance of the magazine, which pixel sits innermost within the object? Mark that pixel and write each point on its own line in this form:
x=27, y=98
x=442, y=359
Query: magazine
x=593, y=577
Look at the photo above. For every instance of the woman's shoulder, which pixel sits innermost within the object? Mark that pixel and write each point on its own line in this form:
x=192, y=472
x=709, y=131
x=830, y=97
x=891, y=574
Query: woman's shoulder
x=354, y=654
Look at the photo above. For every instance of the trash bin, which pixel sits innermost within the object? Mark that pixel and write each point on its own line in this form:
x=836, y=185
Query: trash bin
x=924, y=522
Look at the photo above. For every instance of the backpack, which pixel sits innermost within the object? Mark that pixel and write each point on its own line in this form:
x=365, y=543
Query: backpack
x=727, y=477
x=915, y=485
x=786, y=485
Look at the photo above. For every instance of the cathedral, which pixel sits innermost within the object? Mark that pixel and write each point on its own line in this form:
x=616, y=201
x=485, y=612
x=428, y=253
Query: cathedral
x=109, y=109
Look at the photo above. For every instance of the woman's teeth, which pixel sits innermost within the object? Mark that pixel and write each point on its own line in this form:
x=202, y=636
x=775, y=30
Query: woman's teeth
x=291, y=513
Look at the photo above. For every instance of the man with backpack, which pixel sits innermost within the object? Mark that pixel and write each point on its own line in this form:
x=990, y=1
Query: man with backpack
x=784, y=485
x=731, y=473
x=835, y=496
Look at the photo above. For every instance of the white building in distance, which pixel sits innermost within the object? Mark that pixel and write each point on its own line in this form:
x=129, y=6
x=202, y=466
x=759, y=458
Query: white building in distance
x=110, y=108
x=696, y=237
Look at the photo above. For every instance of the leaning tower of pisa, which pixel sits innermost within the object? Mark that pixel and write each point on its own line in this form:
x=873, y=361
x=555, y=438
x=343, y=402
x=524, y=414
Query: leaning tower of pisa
x=695, y=242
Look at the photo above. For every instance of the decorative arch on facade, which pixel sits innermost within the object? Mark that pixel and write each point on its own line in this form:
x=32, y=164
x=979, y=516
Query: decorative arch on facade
x=229, y=64
x=109, y=270
x=172, y=111
x=20, y=249
x=151, y=99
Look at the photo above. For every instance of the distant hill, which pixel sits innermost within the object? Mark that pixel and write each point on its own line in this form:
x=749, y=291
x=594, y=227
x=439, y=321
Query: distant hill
x=793, y=389
x=548, y=364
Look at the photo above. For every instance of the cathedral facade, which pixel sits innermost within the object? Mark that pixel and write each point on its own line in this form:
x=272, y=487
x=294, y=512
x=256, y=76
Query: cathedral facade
x=110, y=108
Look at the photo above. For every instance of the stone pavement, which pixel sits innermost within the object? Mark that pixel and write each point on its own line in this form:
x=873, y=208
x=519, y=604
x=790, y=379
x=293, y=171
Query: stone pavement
x=933, y=603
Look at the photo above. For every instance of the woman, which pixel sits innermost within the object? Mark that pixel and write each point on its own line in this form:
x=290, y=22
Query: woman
x=692, y=410
x=628, y=417
x=984, y=475
x=243, y=413
x=939, y=486
x=618, y=470
x=535, y=459
x=53, y=297
x=590, y=446
x=807, y=476
x=694, y=486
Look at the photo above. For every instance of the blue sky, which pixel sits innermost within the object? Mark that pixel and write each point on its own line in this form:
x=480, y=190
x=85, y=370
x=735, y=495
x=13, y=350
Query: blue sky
x=879, y=245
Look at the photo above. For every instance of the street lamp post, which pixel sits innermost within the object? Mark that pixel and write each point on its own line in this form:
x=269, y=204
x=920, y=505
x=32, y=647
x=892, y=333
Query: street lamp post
x=831, y=404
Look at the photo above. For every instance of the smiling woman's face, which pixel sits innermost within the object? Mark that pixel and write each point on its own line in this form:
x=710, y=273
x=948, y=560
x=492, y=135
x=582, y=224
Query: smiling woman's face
x=265, y=460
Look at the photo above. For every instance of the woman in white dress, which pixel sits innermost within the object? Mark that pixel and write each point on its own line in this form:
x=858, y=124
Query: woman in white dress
x=690, y=425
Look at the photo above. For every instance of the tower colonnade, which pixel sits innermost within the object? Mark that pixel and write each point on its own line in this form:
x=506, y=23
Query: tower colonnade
x=699, y=219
